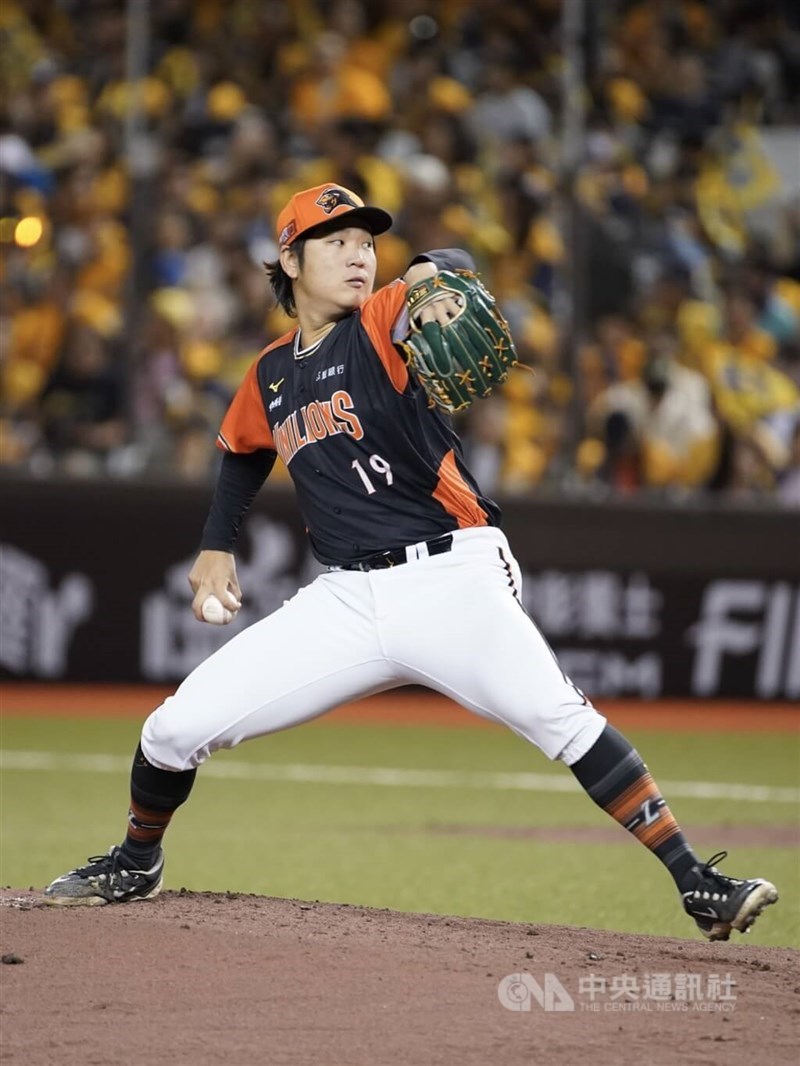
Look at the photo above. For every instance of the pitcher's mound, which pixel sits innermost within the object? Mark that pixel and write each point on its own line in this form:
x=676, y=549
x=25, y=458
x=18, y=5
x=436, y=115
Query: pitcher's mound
x=200, y=978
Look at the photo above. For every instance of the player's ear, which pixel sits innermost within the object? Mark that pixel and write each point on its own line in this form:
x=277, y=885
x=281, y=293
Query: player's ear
x=290, y=263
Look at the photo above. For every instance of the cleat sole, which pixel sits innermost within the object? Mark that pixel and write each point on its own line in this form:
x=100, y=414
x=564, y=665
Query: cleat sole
x=98, y=901
x=74, y=901
x=764, y=896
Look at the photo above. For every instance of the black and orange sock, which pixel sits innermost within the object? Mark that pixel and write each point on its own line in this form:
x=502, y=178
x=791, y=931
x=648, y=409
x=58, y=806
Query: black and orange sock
x=146, y=829
x=155, y=796
x=616, y=778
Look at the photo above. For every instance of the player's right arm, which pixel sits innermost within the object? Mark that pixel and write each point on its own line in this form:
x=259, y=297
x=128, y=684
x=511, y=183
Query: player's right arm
x=249, y=455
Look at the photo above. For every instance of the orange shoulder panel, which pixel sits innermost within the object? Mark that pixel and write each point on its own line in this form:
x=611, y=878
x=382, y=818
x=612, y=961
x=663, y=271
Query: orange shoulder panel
x=279, y=342
x=245, y=427
x=378, y=316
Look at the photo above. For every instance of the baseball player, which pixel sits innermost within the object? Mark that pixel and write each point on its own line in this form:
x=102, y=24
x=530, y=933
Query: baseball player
x=421, y=586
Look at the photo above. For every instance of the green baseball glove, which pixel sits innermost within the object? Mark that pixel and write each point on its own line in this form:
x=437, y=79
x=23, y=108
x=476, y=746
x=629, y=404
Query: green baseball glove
x=458, y=362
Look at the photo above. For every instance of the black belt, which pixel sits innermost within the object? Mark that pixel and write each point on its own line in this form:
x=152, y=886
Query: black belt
x=383, y=560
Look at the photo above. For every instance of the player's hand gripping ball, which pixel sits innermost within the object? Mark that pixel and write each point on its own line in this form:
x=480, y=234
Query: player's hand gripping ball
x=215, y=612
x=463, y=359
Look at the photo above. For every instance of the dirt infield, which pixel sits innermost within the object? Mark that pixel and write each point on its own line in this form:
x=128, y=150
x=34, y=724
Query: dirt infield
x=240, y=980
x=208, y=979
x=412, y=707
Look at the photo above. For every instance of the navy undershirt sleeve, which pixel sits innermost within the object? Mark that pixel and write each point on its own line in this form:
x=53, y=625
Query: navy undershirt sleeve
x=240, y=478
x=447, y=259
x=442, y=259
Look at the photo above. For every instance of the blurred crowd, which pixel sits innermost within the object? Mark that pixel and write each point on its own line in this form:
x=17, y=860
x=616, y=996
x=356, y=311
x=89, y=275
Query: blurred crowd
x=652, y=282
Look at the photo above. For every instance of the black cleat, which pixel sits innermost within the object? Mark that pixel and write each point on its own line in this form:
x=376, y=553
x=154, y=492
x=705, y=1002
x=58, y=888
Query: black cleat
x=106, y=879
x=719, y=904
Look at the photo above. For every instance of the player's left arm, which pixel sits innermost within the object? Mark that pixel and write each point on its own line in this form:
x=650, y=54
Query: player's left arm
x=385, y=314
x=443, y=308
x=444, y=259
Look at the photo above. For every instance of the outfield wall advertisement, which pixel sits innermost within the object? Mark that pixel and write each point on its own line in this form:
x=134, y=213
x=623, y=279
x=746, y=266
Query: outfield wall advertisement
x=635, y=601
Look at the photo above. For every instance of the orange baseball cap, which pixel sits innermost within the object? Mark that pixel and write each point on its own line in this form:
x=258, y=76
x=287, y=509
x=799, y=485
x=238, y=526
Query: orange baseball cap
x=325, y=203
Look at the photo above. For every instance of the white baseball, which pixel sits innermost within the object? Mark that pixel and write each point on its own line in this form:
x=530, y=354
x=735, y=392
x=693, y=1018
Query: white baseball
x=214, y=612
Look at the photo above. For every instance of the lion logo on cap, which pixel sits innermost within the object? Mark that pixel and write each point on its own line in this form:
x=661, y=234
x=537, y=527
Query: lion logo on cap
x=330, y=199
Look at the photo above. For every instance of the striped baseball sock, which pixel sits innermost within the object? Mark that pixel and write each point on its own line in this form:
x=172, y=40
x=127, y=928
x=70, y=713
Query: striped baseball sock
x=616, y=778
x=155, y=796
x=146, y=829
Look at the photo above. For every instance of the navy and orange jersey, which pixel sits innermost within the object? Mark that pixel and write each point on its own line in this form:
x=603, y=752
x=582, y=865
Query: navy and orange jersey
x=374, y=467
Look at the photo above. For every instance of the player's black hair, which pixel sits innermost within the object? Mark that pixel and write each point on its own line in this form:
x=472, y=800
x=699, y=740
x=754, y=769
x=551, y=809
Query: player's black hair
x=281, y=282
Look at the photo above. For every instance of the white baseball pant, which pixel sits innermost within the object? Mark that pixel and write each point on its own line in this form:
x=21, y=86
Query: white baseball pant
x=451, y=622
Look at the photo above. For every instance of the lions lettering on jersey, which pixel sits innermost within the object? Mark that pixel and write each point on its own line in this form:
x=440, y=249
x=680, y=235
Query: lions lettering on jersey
x=374, y=467
x=315, y=421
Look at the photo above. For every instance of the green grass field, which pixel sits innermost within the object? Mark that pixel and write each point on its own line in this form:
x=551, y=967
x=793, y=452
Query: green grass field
x=454, y=847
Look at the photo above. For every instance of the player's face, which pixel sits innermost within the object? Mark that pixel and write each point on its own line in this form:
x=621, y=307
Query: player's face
x=338, y=272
